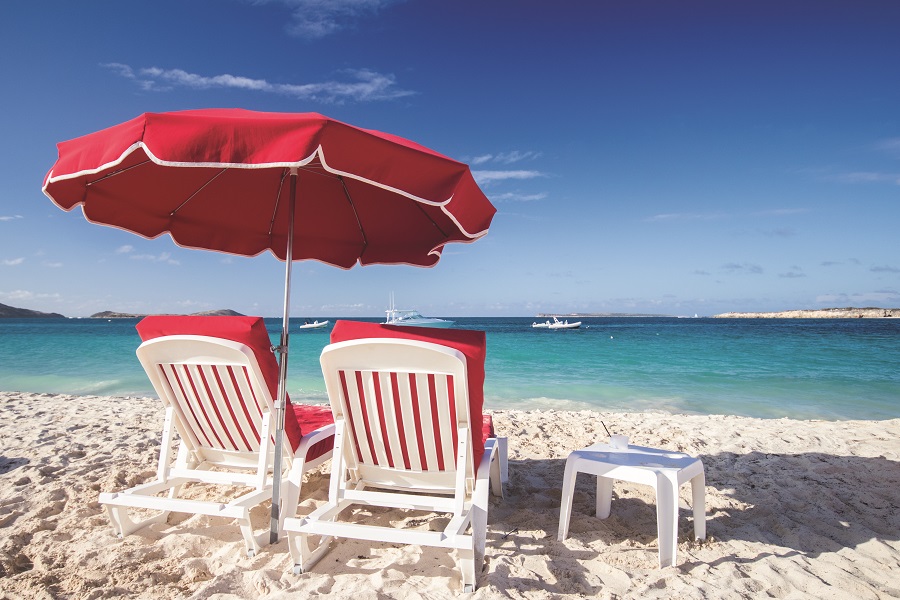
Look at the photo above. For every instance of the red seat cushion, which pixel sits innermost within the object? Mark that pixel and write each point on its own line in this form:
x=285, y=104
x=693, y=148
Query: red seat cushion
x=250, y=331
x=471, y=343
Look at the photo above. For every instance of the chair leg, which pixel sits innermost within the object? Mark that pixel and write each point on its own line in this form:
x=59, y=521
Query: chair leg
x=291, y=497
x=499, y=468
x=302, y=554
x=249, y=539
x=479, y=521
x=124, y=525
x=467, y=566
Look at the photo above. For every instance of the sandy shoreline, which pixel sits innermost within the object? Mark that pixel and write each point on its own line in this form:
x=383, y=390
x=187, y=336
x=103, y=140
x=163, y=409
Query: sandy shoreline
x=799, y=509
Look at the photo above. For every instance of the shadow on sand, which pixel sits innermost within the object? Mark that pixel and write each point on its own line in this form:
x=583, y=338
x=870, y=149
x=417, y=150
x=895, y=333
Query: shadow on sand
x=809, y=503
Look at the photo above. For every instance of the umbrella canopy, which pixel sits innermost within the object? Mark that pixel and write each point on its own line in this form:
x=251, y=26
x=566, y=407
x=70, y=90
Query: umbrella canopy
x=295, y=184
x=219, y=180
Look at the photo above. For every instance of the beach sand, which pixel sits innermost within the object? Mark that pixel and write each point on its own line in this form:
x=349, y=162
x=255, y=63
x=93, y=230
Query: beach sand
x=795, y=509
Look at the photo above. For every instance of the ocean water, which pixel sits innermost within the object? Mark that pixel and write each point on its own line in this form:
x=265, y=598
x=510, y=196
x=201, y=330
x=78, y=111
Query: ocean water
x=809, y=369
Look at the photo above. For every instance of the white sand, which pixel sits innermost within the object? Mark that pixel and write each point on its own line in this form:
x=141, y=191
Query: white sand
x=795, y=509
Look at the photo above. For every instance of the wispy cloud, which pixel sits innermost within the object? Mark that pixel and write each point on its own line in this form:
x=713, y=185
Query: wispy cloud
x=13, y=262
x=794, y=273
x=124, y=249
x=163, y=257
x=780, y=232
x=483, y=177
x=315, y=19
x=885, y=269
x=718, y=215
x=780, y=212
x=687, y=217
x=11, y=218
x=516, y=197
x=743, y=268
x=891, y=145
x=52, y=265
x=866, y=177
x=17, y=295
x=860, y=299
x=506, y=158
x=361, y=85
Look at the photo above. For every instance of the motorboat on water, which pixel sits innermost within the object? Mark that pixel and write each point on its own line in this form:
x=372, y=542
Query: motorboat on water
x=557, y=324
x=412, y=318
x=314, y=325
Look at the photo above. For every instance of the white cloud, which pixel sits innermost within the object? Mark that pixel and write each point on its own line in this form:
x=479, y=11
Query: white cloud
x=315, y=19
x=515, y=156
x=515, y=197
x=885, y=269
x=867, y=177
x=506, y=158
x=11, y=218
x=17, y=295
x=891, y=145
x=13, y=262
x=163, y=257
x=794, y=273
x=124, y=249
x=743, y=268
x=687, y=217
x=52, y=265
x=361, y=85
x=779, y=212
x=491, y=176
x=860, y=299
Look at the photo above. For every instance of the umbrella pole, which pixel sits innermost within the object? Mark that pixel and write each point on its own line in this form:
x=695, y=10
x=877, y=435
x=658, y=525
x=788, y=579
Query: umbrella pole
x=274, y=525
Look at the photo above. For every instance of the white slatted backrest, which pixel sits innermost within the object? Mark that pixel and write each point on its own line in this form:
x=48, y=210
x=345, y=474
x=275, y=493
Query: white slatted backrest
x=403, y=402
x=215, y=387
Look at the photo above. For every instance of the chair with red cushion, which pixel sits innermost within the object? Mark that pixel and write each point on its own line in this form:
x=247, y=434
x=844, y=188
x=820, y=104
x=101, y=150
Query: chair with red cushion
x=410, y=434
x=217, y=378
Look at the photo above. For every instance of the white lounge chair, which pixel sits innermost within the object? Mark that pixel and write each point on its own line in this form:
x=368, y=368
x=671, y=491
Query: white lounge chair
x=405, y=438
x=218, y=397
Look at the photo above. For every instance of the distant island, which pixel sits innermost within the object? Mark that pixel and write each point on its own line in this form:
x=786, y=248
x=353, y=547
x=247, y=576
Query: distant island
x=823, y=313
x=11, y=312
x=223, y=312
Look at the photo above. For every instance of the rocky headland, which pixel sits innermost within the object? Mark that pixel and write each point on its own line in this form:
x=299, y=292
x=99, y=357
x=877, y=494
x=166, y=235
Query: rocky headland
x=222, y=312
x=824, y=313
x=11, y=312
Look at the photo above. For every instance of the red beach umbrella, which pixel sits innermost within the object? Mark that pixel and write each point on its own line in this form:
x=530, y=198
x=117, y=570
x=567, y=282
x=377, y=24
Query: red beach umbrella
x=295, y=184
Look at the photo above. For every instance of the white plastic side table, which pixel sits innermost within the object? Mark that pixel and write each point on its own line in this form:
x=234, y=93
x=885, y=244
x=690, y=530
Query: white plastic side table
x=665, y=471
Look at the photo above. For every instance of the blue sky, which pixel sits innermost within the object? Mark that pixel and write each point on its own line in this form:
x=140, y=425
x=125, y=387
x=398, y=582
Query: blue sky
x=644, y=156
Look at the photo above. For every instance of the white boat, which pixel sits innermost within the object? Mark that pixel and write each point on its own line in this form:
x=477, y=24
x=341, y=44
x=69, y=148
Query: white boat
x=557, y=324
x=315, y=325
x=412, y=318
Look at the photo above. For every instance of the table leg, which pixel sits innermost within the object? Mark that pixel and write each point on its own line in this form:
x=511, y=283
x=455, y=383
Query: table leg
x=698, y=492
x=667, y=516
x=565, y=505
x=604, y=496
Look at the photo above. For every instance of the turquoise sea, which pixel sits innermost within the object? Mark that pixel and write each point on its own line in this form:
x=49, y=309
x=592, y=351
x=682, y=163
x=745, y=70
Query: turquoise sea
x=810, y=369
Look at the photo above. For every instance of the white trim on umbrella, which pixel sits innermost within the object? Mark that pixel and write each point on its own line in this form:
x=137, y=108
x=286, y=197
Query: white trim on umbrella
x=319, y=152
